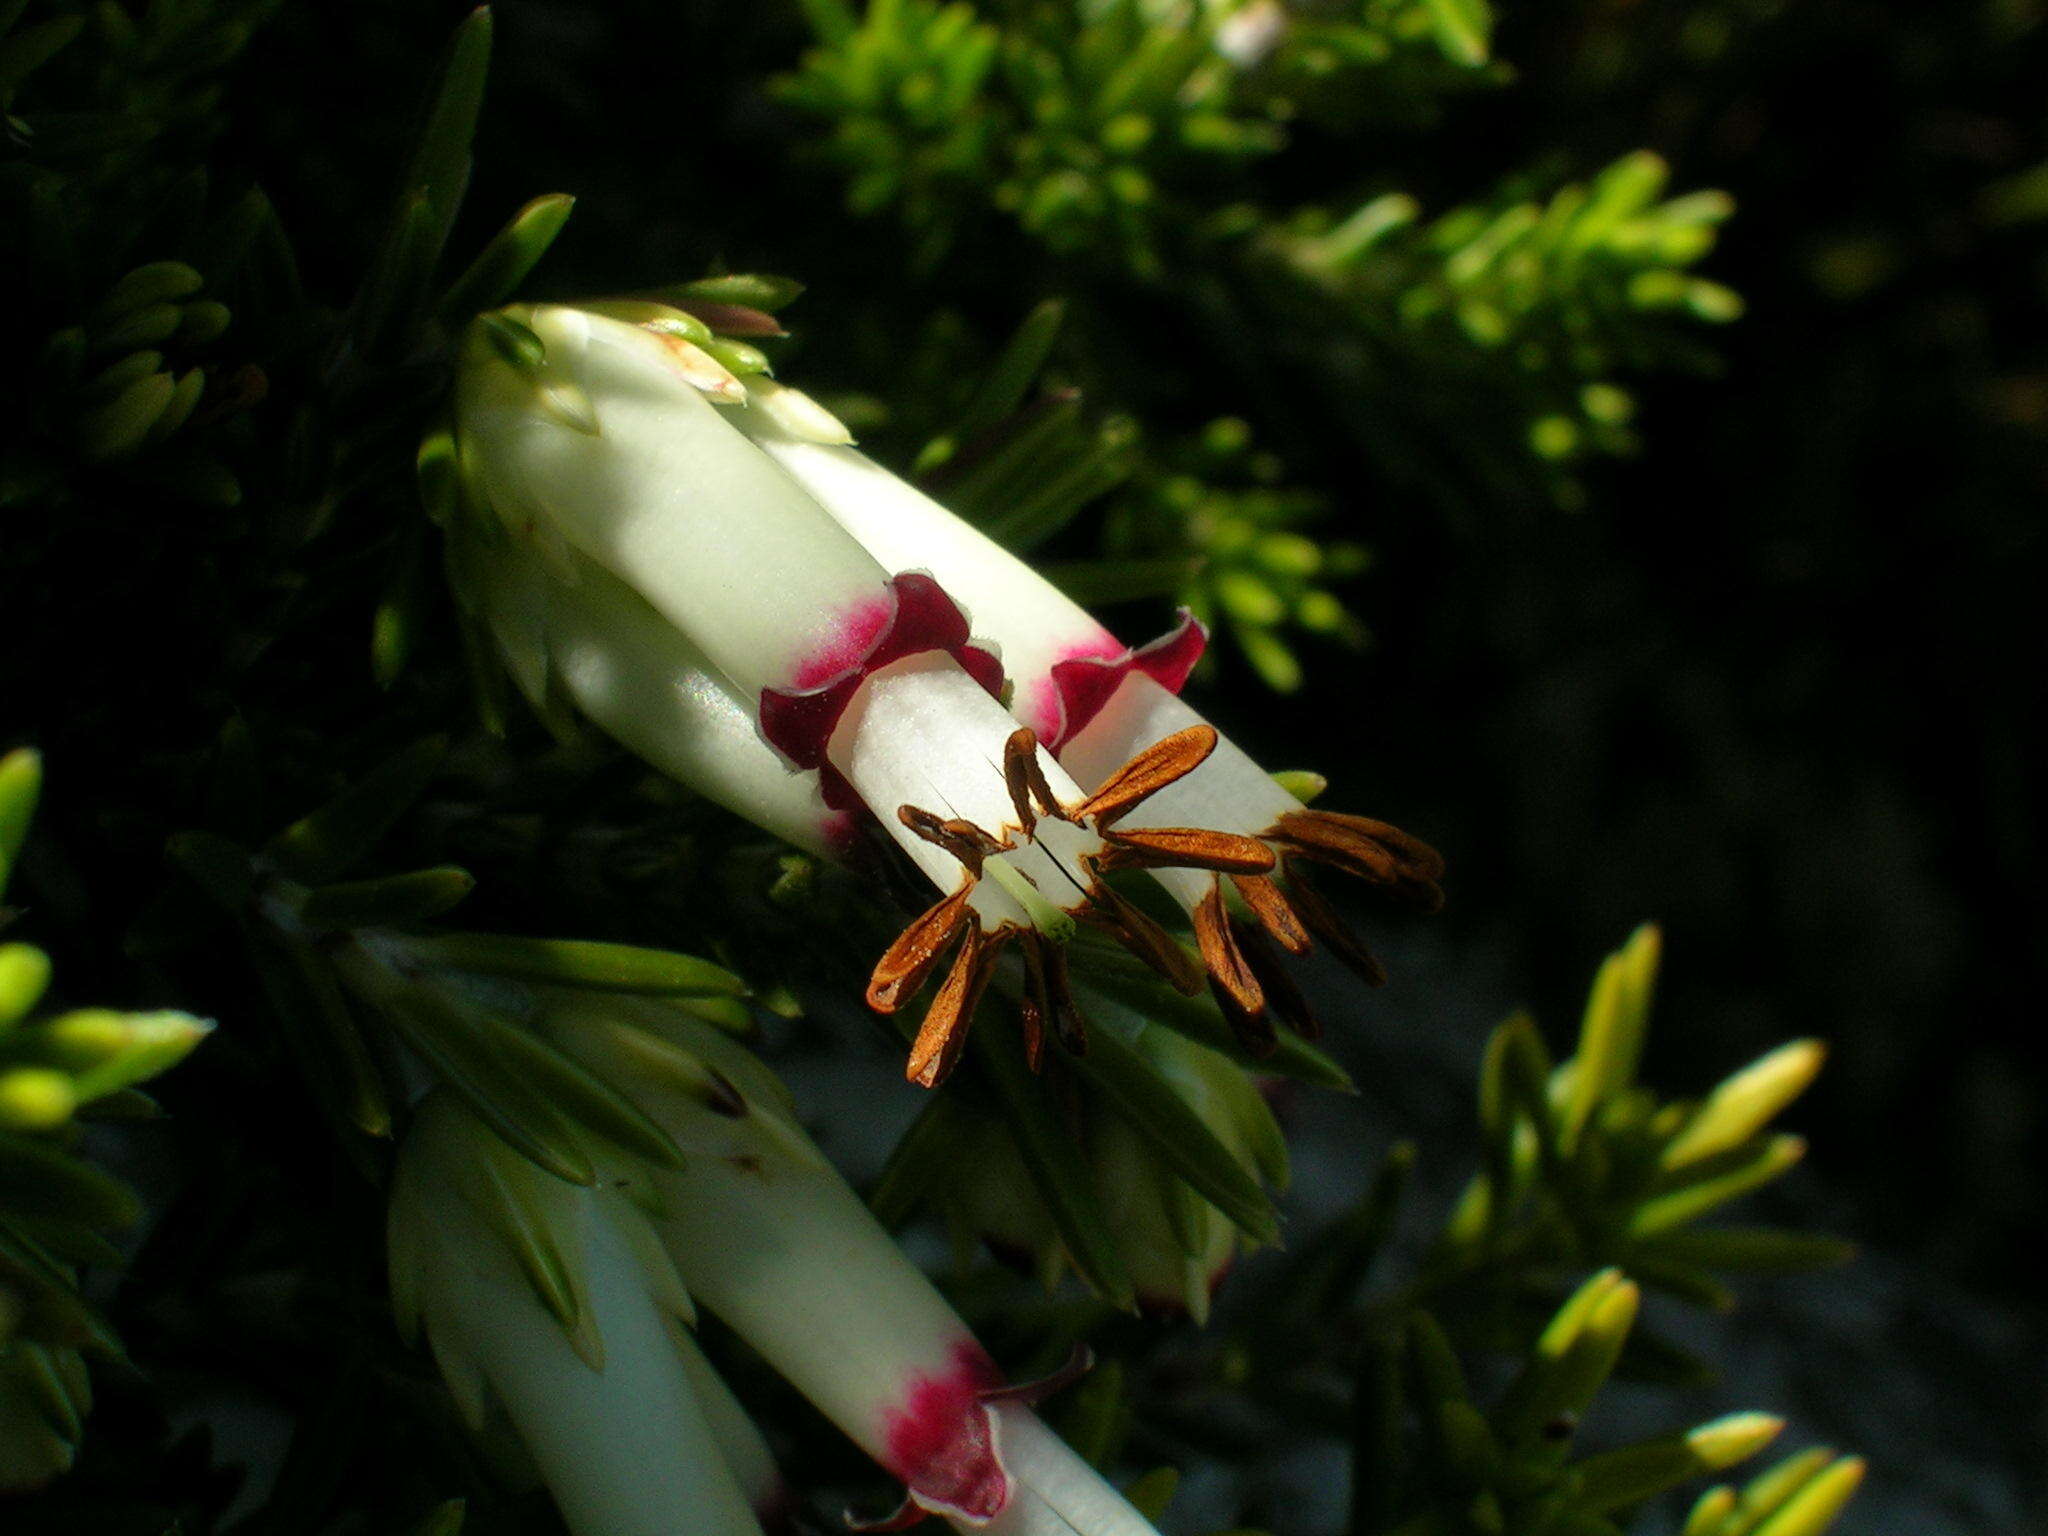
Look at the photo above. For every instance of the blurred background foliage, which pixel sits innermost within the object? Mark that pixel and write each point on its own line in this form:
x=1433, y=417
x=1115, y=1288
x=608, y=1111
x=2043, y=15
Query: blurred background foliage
x=1394, y=336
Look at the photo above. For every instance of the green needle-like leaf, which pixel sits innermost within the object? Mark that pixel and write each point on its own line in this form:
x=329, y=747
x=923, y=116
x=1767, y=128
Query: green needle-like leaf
x=390, y=901
x=1178, y=1133
x=503, y=264
x=581, y=963
x=342, y=833
x=1061, y=1174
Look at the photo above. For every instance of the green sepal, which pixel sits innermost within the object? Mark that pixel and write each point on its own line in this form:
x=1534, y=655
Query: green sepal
x=754, y=290
x=922, y=1161
x=1062, y=1175
x=341, y=833
x=581, y=963
x=1108, y=982
x=1178, y=1134
x=571, y=1087
x=39, y=1180
x=463, y=1053
x=504, y=263
x=398, y=901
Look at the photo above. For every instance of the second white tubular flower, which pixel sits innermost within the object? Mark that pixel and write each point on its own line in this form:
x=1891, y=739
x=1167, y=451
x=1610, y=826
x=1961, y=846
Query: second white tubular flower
x=550, y=1306
x=767, y=1236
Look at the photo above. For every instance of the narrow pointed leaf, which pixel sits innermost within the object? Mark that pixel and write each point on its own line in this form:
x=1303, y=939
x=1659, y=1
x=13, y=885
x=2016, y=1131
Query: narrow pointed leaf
x=575, y=1090
x=582, y=963
x=1061, y=1174
x=502, y=265
x=1178, y=1134
x=339, y=835
x=393, y=901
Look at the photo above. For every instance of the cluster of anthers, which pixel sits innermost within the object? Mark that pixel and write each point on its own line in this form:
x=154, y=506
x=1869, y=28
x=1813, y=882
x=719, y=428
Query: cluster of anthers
x=1236, y=956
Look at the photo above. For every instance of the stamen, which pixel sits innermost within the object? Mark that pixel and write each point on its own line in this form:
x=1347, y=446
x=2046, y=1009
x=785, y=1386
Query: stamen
x=1372, y=850
x=1147, y=773
x=1041, y=789
x=1049, y=998
x=1185, y=848
x=1283, y=996
x=943, y=1034
x=1229, y=975
x=1323, y=921
x=962, y=839
x=1019, y=755
x=1143, y=938
x=1270, y=907
x=904, y=964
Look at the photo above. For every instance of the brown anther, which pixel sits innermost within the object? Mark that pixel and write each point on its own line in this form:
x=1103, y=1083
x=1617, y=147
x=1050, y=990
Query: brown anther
x=1020, y=755
x=1328, y=926
x=1024, y=777
x=1372, y=850
x=1283, y=996
x=1114, y=914
x=1146, y=774
x=943, y=1035
x=1049, y=998
x=962, y=839
x=1270, y=907
x=1185, y=848
x=1229, y=974
x=904, y=964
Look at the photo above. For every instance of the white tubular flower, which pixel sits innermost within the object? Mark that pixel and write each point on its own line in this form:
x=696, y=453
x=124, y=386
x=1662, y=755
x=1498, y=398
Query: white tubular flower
x=595, y=448
x=1099, y=703
x=552, y=1307
x=1064, y=664
x=766, y=1235
x=569, y=630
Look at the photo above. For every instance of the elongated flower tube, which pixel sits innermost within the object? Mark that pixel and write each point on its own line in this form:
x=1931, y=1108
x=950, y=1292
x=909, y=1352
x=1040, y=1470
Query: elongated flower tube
x=1064, y=663
x=766, y=1235
x=591, y=441
x=591, y=641
x=554, y=1307
x=1100, y=704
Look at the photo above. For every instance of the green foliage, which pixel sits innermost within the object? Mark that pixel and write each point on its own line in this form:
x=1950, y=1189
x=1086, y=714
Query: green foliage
x=58, y=1072
x=214, y=413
